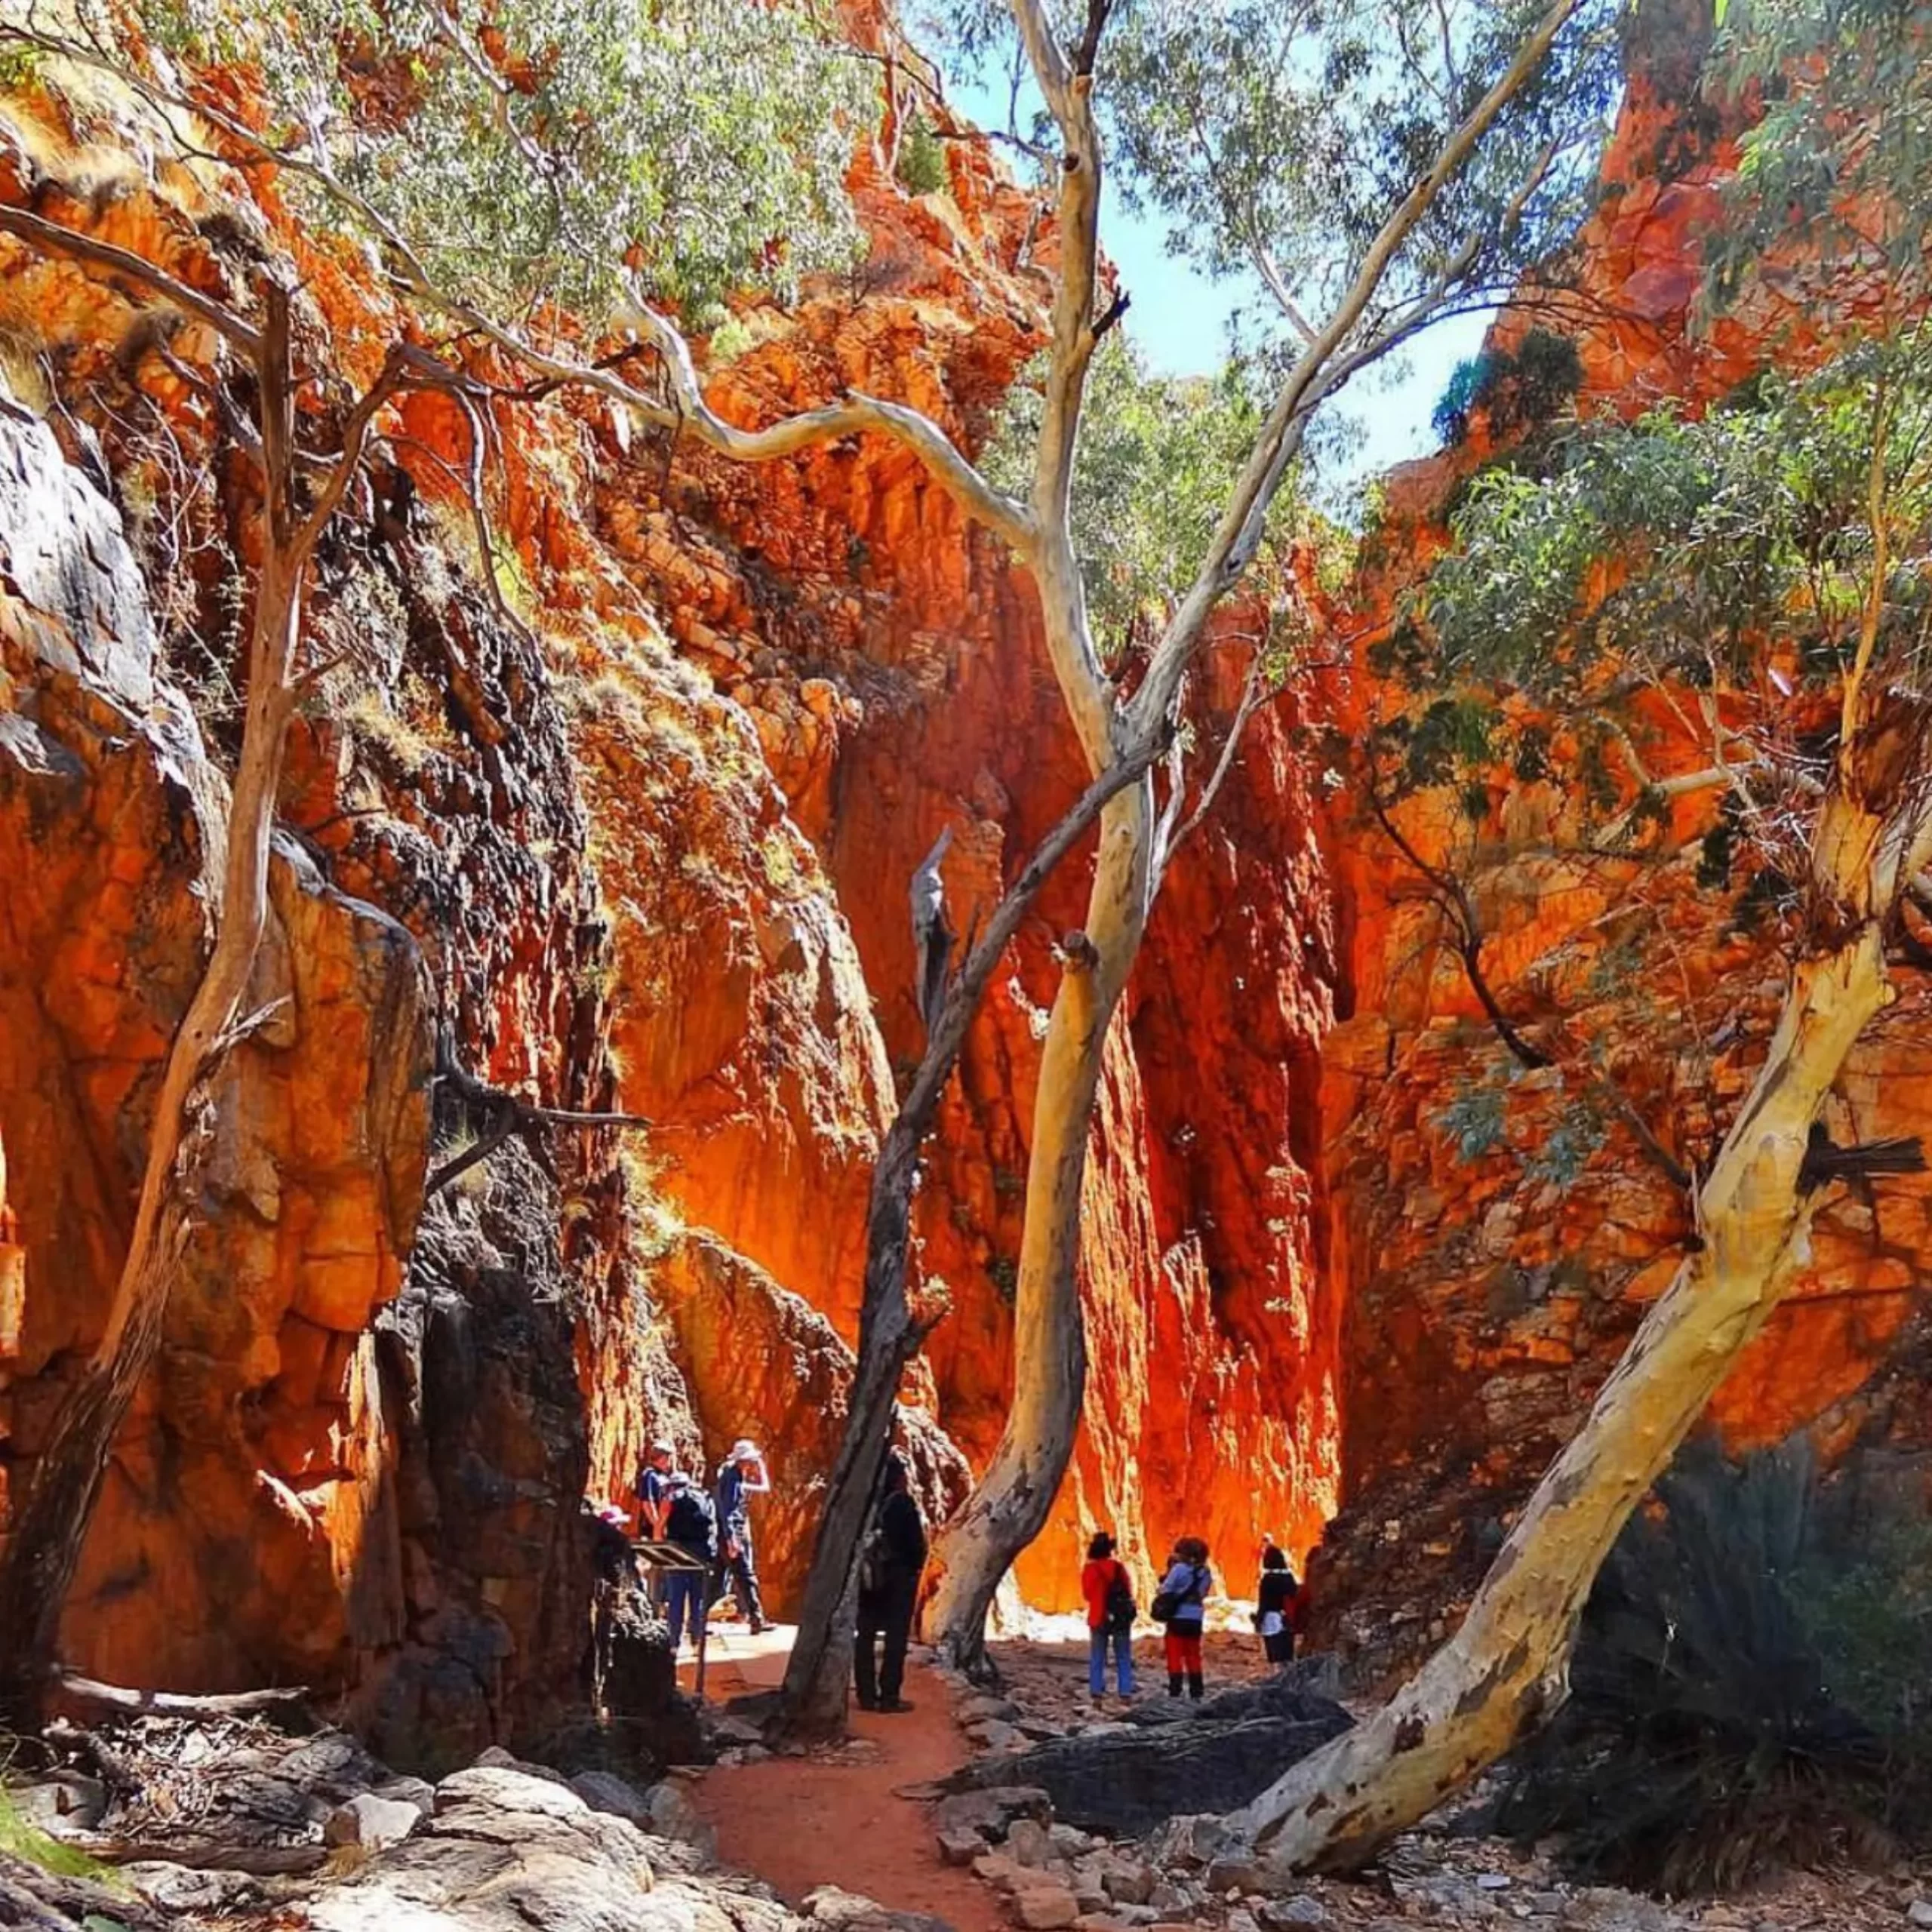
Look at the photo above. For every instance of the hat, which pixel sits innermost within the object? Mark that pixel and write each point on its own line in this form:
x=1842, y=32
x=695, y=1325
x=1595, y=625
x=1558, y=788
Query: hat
x=742, y=1451
x=610, y=1513
x=662, y=1448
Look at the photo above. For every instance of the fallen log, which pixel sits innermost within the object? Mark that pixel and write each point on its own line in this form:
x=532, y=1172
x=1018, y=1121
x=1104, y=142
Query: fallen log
x=174, y=1703
x=197, y=1854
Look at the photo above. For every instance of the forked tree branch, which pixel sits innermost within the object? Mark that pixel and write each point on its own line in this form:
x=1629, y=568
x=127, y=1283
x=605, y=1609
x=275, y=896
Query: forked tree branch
x=1313, y=375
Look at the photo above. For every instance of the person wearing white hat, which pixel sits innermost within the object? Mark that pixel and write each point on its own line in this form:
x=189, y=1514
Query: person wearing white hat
x=741, y=1476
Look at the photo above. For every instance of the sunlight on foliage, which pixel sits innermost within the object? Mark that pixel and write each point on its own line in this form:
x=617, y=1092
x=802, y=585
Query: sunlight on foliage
x=532, y=151
x=1744, y=533
x=1158, y=455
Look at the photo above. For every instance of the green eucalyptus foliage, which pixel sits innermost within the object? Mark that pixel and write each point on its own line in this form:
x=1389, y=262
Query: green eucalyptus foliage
x=525, y=150
x=1287, y=131
x=1293, y=128
x=1158, y=455
x=1839, y=163
x=921, y=165
x=1517, y=389
x=1744, y=531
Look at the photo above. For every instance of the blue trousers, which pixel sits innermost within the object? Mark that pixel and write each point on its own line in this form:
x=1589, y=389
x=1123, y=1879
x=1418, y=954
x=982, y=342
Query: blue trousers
x=685, y=1594
x=1097, y=1641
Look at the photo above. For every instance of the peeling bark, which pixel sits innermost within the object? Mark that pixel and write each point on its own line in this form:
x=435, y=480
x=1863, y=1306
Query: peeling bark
x=1506, y=1667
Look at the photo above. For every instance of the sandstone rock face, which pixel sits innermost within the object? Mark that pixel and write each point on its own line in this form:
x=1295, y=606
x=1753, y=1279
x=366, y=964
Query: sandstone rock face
x=250, y=1463
x=360, y=1461
x=1491, y=1275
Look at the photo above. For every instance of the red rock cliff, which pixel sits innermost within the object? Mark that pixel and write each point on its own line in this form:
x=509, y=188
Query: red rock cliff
x=1486, y=1297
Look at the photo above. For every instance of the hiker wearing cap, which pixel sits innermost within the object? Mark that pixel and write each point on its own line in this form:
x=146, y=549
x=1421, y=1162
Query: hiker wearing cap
x=740, y=1476
x=889, y=1565
x=653, y=1491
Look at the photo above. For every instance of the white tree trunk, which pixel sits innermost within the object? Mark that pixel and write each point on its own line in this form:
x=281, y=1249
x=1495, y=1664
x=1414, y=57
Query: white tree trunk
x=1010, y=1506
x=1507, y=1666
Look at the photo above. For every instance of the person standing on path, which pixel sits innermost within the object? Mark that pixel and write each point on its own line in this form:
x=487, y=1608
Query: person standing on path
x=653, y=1491
x=1275, y=1606
x=741, y=1476
x=1185, y=1590
x=894, y=1554
x=689, y=1523
x=1109, y=1591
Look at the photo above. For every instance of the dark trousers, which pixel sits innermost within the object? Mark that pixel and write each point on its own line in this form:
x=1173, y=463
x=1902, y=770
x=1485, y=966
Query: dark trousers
x=739, y=1574
x=884, y=1615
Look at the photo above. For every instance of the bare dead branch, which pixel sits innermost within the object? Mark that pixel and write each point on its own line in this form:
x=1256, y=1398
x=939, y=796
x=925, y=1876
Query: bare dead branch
x=62, y=240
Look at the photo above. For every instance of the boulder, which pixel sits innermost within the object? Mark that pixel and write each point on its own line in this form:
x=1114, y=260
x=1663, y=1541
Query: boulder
x=370, y=1822
x=1045, y=1908
x=604, y=1791
x=1027, y=1842
x=1130, y=1779
x=835, y=1910
x=992, y=1811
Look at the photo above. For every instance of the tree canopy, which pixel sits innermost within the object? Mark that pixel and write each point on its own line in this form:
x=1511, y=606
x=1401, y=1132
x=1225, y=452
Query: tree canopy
x=569, y=152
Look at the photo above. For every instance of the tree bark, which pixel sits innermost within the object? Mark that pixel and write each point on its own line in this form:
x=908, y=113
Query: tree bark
x=1507, y=1666
x=1011, y=1505
x=813, y=1701
x=43, y=1544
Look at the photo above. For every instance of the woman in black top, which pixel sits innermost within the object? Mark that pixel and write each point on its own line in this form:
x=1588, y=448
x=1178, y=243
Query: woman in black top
x=1274, y=1606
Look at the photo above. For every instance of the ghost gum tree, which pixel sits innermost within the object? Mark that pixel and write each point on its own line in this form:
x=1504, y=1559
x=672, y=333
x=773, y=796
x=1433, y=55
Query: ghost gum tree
x=529, y=176
x=1768, y=560
x=1362, y=173
x=769, y=97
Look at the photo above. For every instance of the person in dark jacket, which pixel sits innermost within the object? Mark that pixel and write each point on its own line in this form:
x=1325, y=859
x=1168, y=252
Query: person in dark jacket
x=691, y=1523
x=894, y=1554
x=1275, y=1606
x=740, y=1476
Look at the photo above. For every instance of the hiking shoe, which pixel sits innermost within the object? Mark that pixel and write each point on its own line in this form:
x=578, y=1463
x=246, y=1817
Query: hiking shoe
x=894, y=1705
x=868, y=1703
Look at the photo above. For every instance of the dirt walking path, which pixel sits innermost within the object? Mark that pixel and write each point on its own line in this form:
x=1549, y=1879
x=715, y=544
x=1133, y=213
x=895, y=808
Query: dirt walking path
x=801, y=1821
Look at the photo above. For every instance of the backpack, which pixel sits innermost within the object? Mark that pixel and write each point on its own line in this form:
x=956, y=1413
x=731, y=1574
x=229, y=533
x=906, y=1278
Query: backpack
x=1168, y=1603
x=1117, y=1611
x=693, y=1523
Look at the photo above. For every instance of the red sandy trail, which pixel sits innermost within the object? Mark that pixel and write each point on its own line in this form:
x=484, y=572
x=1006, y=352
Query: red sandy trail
x=801, y=1821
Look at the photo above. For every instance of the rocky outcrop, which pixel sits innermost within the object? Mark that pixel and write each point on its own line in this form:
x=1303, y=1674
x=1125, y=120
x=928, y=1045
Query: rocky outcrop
x=1493, y=1243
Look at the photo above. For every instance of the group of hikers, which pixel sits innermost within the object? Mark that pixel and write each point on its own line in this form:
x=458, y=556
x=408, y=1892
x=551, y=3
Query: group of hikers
x=711, y=1526
x=1181, y=1605
x=712, y=1529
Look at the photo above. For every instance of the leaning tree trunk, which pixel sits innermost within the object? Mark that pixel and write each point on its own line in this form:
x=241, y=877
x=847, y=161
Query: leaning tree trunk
x=1011, y=1505
x=43, y=1542
x=813, y=1702
x=1507, y=1666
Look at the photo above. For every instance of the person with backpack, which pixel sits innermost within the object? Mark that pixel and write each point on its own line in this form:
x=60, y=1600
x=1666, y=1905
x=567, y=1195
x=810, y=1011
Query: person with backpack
x=1274, y=1605
x=1181, y=1604
x=741, y=1476
x=893, y=1554
x=691, y=1524
x=1109, y=1591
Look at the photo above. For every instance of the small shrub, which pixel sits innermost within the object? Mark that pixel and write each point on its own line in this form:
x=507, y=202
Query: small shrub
x=1475, y=1120
x=921, y=166
x=1745, y=1693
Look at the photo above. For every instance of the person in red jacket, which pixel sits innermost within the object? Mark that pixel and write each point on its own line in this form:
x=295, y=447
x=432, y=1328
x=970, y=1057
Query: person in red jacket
x=1108, y=1591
